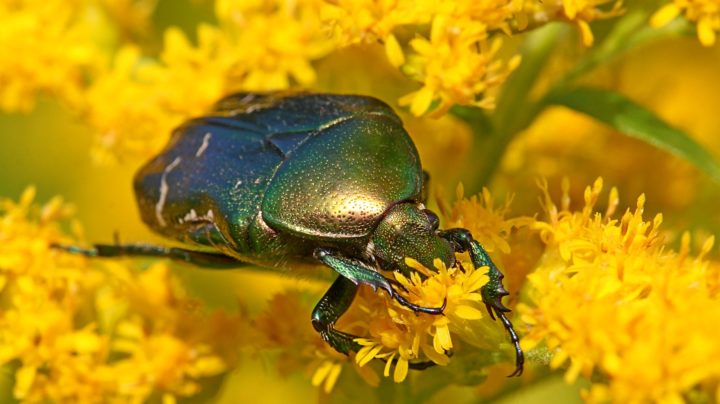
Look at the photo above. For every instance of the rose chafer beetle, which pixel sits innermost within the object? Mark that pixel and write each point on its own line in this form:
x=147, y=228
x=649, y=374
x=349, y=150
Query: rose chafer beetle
x=285, y=179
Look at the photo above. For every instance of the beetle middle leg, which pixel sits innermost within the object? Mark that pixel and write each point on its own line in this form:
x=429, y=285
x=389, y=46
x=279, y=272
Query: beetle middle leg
x=200, y=258
x=359, y=272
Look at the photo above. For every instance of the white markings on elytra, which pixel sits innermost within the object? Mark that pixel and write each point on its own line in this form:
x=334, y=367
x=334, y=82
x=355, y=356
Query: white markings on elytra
x=204, y=145
x=189, y=217
x=164, y=191
x=370, y=249
x=192, y=216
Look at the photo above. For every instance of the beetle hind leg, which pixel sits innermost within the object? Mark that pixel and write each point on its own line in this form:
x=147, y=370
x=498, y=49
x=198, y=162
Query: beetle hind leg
x=199, y=258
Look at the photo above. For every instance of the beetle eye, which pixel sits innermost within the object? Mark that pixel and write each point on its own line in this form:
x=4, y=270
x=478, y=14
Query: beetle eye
x=432, y=218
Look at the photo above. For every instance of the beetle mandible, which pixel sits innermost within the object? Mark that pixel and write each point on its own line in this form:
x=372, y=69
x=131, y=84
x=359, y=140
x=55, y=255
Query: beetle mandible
x=283, y=179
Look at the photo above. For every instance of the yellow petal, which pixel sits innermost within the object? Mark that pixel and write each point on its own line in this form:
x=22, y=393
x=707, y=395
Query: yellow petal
x=321, y=373
x=388, y=364
x=402, y=279
x=572, y=373
x=443, y=335
x=23, y=381
x=86, y=342
x=477, y=279
x=422, y=46
x=514, y=62
x=557, y=360
x=369, y=355
x=27, y=196
x=468, y=313
x=303, y=72
x=168, y=398
x=585, y=33
x=705, y=31
x=664, y=15
x=209, y=366
x=394, y=52
x=570, y=9
x=332, y=377
x=433, y=355
x=421, y=101
x=401, y=370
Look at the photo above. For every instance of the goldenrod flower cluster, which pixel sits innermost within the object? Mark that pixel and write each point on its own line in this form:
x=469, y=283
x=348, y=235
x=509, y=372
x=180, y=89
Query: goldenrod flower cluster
x=35, y=35
x=706, y=13
x=134, y=98
x=70, y=331
x=609, y=297
x=599, y=293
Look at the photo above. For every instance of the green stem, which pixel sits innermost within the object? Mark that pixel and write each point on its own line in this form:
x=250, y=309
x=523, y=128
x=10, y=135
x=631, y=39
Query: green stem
x=630, y=32
x=515, y=111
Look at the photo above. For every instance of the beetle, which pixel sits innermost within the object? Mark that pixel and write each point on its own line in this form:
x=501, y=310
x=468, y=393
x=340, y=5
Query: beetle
x=286, y=179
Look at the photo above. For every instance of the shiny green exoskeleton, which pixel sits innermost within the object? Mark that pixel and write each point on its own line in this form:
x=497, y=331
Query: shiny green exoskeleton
x=289, y=179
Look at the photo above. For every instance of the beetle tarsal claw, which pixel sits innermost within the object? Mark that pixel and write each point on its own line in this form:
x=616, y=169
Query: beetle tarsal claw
x=421, y=309
x=519, y=357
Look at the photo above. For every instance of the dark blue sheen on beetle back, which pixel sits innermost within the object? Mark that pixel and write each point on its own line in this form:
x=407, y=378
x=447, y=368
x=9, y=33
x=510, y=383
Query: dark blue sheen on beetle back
x=308, y=166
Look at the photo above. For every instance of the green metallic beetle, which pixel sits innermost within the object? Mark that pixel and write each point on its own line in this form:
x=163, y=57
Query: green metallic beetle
x=285, y=179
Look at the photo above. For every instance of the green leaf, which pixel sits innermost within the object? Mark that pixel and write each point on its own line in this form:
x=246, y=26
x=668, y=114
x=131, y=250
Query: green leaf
x=629, y=32
x=626, y=116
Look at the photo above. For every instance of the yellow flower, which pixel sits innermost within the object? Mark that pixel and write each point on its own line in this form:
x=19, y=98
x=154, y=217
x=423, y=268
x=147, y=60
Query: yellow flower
x=706, y=13
x=274, y=42
x=131, y=16
x=486, y=223
x=609, y=296
x=85, y=335
x=158, y=361
x=135, y=104
x=579, y=12
x=400, y=336
x=367, y=21
x=35, y=35
x=456, y=66
x=285, y=328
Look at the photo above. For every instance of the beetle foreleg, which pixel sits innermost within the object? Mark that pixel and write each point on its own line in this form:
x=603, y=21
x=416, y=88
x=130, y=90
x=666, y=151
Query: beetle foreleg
x=341, y=294
x=200, y=258
x=329, y=309
x=358, y=272
x=493, y=291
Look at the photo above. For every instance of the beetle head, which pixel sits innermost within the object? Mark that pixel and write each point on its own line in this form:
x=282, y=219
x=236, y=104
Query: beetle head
x=408, y=230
